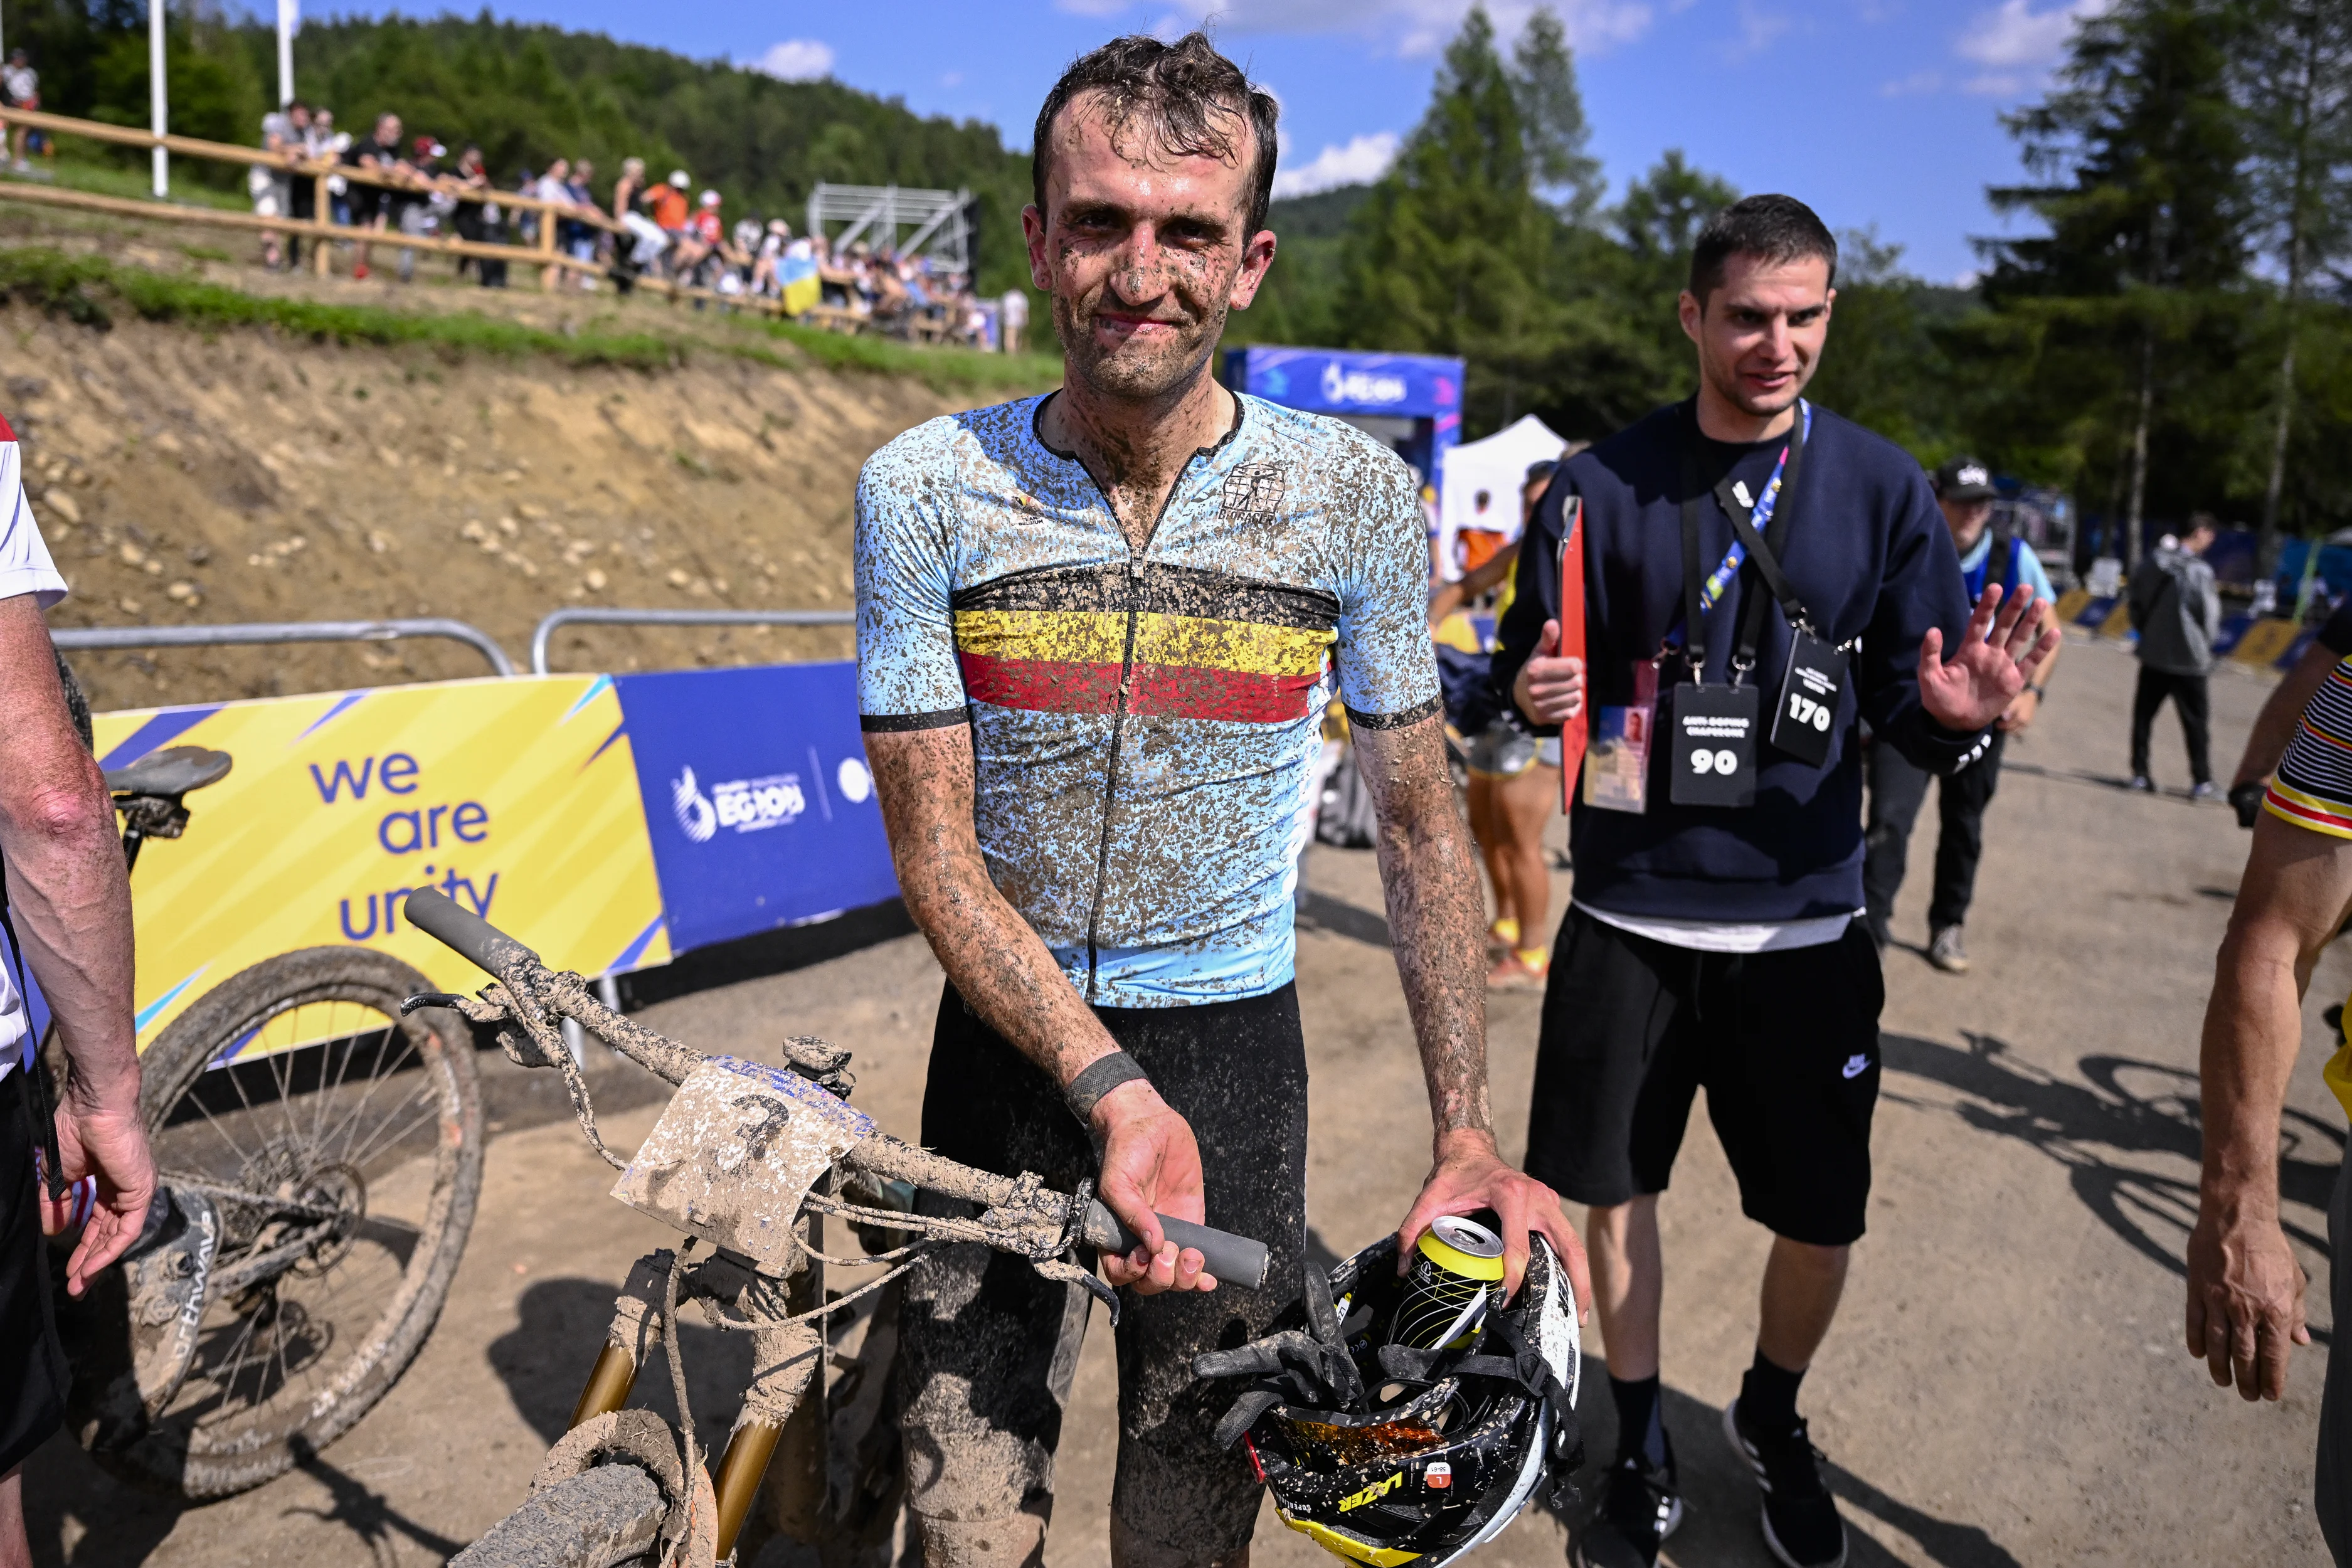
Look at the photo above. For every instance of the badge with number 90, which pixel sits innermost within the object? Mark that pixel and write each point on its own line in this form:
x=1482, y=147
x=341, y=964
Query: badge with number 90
x=1723, y=762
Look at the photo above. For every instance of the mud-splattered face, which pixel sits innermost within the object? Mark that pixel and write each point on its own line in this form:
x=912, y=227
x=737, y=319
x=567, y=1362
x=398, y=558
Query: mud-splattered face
x=1144, y=253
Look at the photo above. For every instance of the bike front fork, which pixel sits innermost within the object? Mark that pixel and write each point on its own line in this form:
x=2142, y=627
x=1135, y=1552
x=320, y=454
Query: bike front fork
x=788, y=1362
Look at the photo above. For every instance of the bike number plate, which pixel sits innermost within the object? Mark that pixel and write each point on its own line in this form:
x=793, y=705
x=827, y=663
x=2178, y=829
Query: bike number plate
x=739, y=1147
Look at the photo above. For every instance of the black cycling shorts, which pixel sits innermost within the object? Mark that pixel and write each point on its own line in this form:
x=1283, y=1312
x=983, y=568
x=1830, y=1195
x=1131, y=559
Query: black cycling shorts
x=1785, y=1043
x=33, y=1377
x=987, y=1349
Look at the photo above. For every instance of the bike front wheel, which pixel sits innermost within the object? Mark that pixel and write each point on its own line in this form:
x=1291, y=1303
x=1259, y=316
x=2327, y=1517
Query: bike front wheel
x=342, y=1145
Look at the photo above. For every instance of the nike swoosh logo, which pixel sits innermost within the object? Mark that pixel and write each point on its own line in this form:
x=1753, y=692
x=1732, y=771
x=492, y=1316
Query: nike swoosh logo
x=1856, y=1066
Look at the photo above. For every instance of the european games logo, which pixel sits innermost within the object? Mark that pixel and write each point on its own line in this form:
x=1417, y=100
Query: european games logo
x=696, y=816
x=746, y=806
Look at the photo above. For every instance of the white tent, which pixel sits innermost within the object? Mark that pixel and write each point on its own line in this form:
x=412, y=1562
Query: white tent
x=1495, y=467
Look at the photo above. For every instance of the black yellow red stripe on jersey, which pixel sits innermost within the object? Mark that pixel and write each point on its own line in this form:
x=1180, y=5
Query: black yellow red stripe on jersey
x=1186, y=643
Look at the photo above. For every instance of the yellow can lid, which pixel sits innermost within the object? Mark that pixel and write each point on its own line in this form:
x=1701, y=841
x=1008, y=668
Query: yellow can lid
x=1463, y=1247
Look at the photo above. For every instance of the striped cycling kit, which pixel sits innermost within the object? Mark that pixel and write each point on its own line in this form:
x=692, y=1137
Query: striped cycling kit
x=2314, y=785
x=1145, y=722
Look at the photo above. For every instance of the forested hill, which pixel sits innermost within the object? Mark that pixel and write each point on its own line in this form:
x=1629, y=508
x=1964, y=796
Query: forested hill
x=531, y=93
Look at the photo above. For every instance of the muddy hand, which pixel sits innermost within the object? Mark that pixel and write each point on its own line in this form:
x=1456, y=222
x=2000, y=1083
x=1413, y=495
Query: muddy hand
x=1150, y=1166
x=1470, y=1175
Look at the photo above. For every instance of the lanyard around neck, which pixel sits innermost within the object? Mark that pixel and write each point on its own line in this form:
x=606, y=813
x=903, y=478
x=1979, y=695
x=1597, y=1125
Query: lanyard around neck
x=1747, y=526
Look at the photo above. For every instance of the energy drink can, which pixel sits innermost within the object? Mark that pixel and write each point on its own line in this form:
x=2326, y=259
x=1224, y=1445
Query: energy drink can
x=1445, y=1292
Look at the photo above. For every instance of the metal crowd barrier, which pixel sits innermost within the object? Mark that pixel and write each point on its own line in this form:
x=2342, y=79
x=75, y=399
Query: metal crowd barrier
x=618, y=617
x=239, y=633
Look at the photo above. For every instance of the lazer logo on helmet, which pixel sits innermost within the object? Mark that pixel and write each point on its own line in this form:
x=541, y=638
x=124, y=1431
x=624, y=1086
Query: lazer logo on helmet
x=1377, y=1489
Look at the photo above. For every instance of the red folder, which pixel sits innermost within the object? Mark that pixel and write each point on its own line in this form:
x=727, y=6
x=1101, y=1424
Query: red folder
x=1572, y=734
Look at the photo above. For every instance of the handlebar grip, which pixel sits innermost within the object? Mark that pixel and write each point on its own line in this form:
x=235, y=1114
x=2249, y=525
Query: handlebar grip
x=437, y=916
x=1233, y=1259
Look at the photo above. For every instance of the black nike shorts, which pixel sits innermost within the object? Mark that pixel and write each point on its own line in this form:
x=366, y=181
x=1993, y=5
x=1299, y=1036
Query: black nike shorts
x=1785, y=1043
x=987, y=1349
x=33, y=1377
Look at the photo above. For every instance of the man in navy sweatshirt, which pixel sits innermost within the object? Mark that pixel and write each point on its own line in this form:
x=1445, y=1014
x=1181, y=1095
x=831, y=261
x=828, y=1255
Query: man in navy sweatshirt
x=1712, y=940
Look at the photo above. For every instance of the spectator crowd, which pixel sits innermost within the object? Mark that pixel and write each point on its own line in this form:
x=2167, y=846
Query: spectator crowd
x=636, y=228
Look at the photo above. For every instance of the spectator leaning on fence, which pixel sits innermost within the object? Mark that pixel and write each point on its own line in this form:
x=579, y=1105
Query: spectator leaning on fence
x=272, y=188
x=370, y=203
x=22, y=85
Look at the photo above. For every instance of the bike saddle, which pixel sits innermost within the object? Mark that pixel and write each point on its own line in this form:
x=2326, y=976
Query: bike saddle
x=173, y=771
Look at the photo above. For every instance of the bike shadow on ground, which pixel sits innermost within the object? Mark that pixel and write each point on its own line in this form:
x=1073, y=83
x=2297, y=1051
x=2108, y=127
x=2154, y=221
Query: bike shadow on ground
x=72, y=1505
x=1721, y=1503
x=545, y=1365
x=2122, y=1107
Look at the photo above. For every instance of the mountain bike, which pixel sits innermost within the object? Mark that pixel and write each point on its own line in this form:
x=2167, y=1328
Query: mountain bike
x=739, y=1159
x=319, y=1152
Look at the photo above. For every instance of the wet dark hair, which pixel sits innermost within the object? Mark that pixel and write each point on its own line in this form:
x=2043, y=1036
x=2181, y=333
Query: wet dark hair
x=1772, y=228
x=1185, y=94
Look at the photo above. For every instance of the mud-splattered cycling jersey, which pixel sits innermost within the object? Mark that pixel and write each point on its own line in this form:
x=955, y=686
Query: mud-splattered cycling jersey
x=1144, y=723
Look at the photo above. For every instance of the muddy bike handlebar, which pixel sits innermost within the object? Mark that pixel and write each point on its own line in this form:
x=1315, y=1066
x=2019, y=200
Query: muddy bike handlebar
x=1234, y=1258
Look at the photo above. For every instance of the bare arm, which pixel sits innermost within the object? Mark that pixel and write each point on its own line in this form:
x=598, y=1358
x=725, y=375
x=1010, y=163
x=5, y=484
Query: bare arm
x=924, y=781
x=2245, y=1288
x=2274, y=726
x=70, y=899
x=1429, y=870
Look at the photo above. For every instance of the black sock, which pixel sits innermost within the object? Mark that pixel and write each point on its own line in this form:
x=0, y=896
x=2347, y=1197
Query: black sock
x=1640, y=1422
x=1767, y=1396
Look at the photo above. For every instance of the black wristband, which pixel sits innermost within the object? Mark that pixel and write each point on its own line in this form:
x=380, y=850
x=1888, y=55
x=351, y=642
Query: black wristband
x=1098, y=1078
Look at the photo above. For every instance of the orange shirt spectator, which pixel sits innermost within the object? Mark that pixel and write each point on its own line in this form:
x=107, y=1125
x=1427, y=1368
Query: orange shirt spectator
x=668, y=203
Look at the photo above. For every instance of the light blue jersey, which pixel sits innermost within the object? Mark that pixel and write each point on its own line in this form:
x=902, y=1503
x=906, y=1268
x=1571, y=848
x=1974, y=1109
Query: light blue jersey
x=1144, y=723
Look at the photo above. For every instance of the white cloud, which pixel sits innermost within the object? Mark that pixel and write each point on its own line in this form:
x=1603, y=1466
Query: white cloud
x=1916, y=83
x=1363, y=159
x=2015, y=35
x=796, y=60
x=1759, y=30
x=952, y=78
x=1995, y=84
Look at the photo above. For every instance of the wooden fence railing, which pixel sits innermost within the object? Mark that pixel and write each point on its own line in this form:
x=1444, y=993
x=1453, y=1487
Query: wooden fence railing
x=543, y=254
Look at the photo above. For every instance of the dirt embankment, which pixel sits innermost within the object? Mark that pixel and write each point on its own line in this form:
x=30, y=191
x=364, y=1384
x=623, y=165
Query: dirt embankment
x=183, y=478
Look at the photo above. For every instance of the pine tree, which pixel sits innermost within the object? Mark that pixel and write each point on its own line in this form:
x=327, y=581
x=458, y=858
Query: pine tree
x=2139, y=151
x=1552, y=116
x=2295, y=80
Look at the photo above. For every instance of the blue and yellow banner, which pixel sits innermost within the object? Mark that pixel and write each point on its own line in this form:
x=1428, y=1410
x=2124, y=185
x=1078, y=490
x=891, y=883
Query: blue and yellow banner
x=517, y=798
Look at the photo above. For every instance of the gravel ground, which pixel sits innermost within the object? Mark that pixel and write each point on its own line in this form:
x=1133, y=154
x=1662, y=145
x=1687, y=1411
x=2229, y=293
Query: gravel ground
x=2005, y=1385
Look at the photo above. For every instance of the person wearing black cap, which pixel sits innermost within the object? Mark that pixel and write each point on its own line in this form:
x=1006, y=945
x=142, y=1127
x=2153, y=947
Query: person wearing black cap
x=1988, y=552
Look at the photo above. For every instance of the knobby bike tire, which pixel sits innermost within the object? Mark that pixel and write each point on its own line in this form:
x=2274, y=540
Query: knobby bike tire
x=597, y=1519
x=208, y=1443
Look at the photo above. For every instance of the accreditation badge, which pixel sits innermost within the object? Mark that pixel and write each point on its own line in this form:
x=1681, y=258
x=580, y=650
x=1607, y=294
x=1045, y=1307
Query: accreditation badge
x=1808, y=699
x=1617, y=767
x=1714, y=743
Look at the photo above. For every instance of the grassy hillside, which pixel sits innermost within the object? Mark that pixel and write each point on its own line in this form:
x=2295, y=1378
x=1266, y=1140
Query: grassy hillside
x=532, y=93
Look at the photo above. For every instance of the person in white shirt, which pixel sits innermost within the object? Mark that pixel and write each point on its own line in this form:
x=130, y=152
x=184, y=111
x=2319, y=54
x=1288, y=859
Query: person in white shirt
x=69, y=901
x=23, y=84
x=1014, y=320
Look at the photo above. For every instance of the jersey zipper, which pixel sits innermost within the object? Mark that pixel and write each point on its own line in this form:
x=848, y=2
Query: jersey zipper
x=1136, y=558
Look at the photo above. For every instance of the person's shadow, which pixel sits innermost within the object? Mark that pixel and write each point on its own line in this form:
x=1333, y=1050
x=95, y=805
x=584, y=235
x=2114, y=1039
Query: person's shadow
x=1721, y=1501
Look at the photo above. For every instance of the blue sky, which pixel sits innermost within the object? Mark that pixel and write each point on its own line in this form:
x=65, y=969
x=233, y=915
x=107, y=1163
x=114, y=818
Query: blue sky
x=1875, y=111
